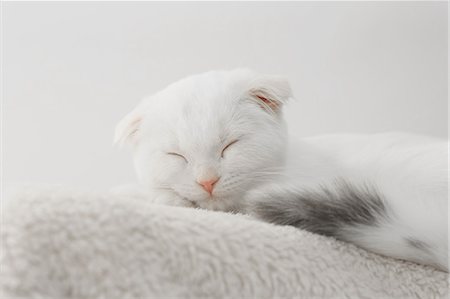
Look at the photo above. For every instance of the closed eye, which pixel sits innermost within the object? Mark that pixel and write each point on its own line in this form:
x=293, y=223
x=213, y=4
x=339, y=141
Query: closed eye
x=178, y=155
x=226, y=147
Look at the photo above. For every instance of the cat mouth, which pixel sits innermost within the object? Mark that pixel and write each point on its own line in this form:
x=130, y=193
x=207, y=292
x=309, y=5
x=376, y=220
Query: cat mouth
x=216, y=197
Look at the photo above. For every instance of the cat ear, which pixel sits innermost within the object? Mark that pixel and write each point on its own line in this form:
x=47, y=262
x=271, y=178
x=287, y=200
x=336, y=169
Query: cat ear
x=128, y=128
x=270, y=92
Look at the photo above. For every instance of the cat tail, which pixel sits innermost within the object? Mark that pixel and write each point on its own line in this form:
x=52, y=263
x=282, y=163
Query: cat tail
x=325, y=210
x=348, y=212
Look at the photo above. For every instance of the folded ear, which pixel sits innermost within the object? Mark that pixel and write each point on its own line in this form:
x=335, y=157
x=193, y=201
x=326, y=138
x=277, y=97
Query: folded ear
x=128, y=128
x=270, y=92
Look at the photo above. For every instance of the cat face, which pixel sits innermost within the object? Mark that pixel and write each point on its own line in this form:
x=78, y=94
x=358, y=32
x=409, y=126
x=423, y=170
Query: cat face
x=209, y=138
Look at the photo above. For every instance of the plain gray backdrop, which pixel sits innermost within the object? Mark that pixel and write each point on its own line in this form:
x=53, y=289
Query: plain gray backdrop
x=71, y=71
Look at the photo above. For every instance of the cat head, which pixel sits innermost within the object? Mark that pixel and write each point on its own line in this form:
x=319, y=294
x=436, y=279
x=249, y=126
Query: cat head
x=211, y=137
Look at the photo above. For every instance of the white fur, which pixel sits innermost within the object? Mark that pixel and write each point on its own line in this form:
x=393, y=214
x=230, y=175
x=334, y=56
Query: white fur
x=198, y=116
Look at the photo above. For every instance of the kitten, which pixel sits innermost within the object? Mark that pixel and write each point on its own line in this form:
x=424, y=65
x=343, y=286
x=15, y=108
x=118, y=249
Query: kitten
x=218, y=141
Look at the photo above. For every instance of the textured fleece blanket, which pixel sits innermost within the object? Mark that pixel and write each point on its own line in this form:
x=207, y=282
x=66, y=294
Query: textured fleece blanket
x=62, y=244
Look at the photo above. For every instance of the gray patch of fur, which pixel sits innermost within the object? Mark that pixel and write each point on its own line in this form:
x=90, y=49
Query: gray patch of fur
x=418, y=245
x=325, y=210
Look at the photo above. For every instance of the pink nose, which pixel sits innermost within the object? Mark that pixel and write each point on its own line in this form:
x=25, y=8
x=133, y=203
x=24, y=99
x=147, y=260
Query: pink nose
x=208, y=185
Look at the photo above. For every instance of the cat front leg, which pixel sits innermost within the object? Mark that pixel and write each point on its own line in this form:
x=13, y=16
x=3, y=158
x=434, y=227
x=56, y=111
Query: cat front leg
x=163, y=197
x=171, y=199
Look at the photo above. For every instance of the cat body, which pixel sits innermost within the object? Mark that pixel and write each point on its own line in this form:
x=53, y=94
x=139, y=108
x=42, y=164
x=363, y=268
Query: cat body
x=384, y=192
x=218, y=141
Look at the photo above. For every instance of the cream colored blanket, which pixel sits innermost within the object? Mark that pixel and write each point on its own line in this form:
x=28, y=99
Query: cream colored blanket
x=64, y=244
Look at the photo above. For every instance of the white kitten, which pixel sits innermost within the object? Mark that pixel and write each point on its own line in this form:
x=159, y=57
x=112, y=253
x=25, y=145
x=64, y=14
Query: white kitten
x=213, y=139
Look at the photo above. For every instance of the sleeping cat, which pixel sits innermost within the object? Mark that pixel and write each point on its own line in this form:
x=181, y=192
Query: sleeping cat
x=218, y=141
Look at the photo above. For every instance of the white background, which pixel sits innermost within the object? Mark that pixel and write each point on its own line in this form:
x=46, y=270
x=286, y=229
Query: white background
x=72, y=70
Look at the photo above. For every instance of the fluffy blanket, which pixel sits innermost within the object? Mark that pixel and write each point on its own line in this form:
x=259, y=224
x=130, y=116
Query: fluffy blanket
x=65, y=244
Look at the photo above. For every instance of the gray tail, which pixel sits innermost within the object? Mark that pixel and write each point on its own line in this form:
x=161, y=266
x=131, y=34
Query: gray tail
x=324, y=210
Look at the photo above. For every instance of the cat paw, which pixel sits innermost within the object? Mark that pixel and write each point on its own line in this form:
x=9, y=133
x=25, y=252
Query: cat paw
x=134, y=191
x=172, y=200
